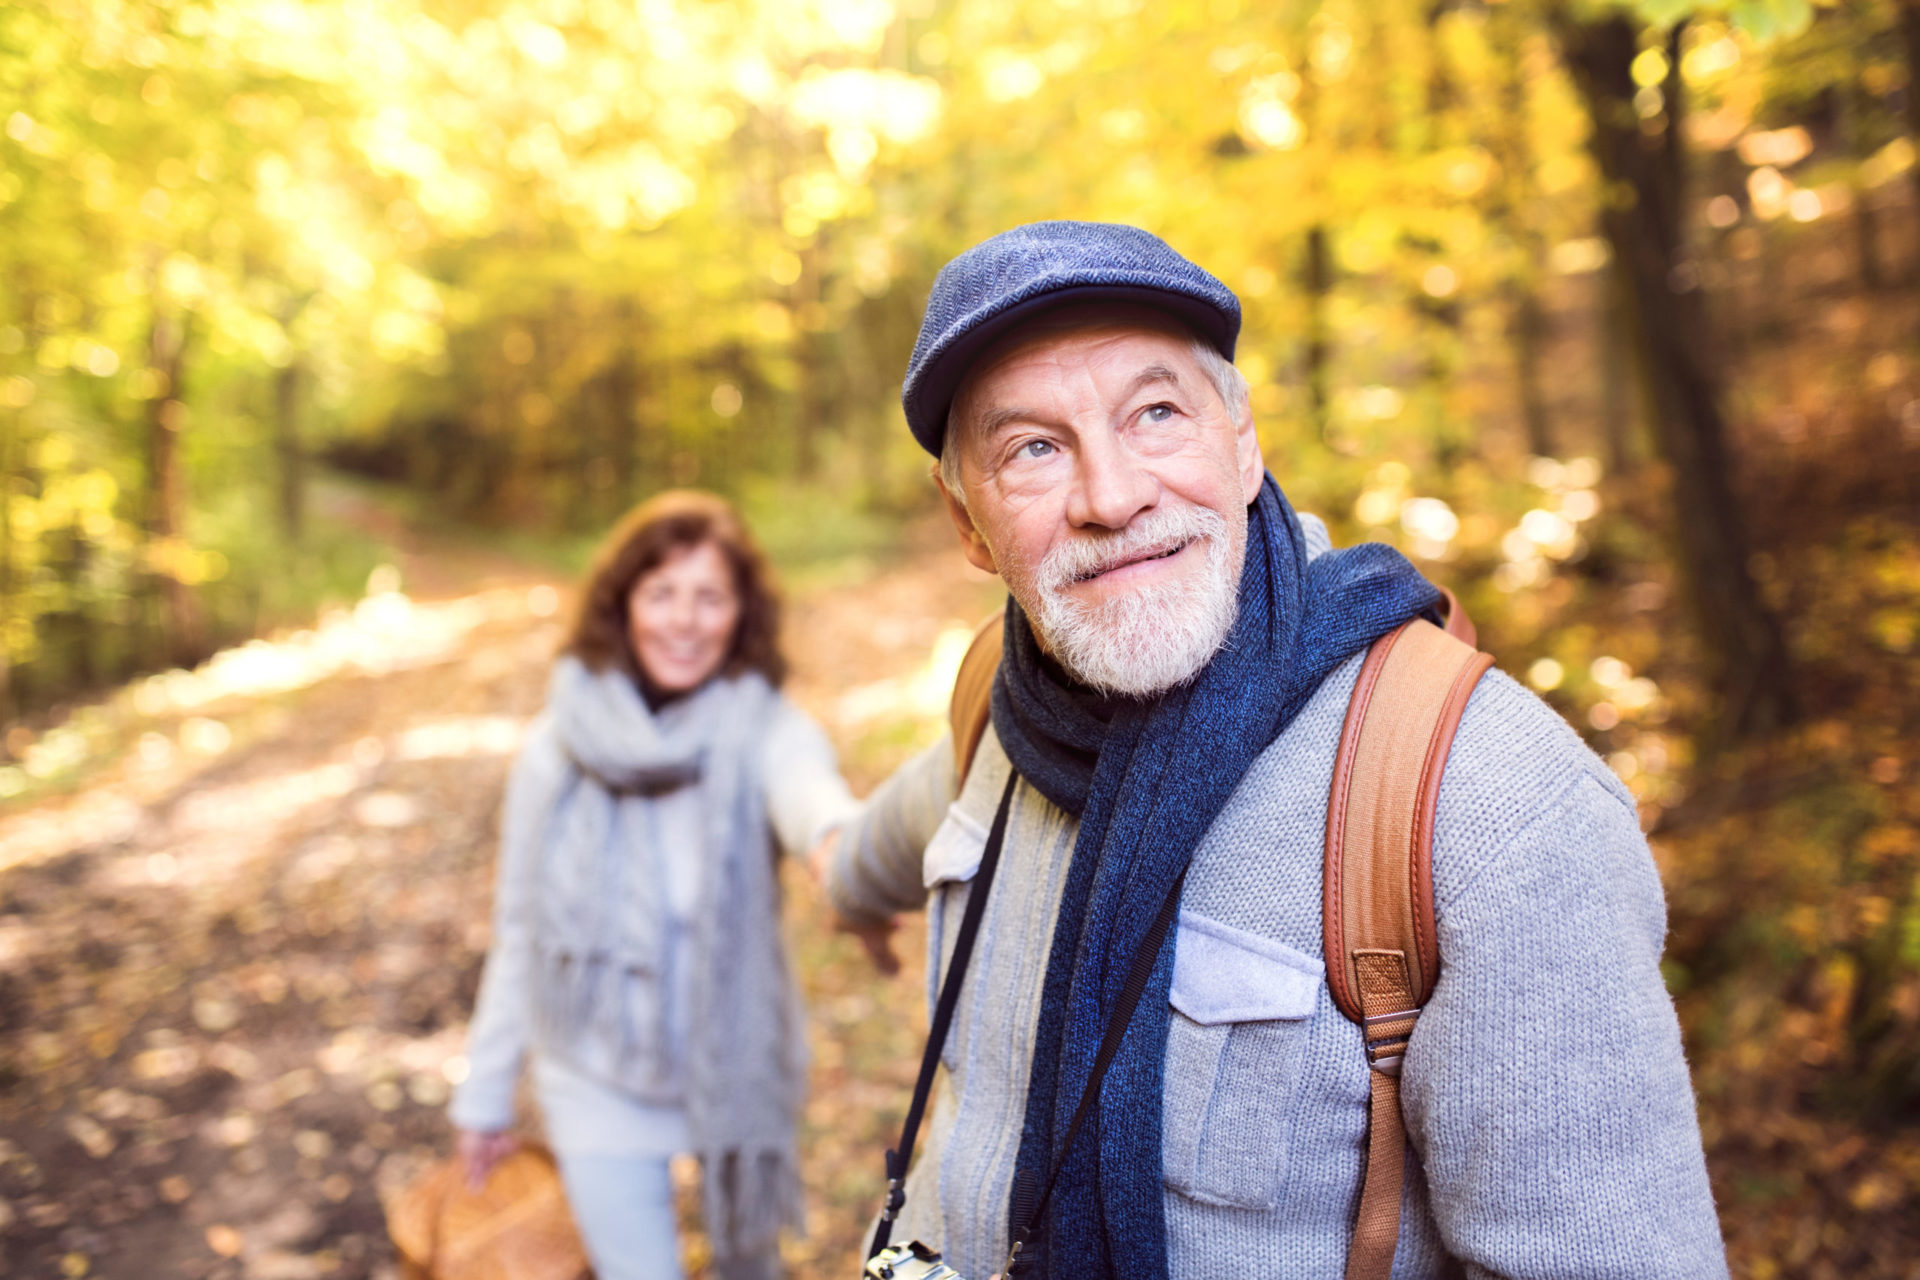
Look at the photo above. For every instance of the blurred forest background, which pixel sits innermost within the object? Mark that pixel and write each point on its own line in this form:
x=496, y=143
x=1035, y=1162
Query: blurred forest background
x=1608, y=315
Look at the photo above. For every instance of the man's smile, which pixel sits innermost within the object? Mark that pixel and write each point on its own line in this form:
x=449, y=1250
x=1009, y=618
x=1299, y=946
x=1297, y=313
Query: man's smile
x=1135, y=564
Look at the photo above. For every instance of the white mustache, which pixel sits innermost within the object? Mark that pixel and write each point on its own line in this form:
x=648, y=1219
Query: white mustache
x=1158, y=533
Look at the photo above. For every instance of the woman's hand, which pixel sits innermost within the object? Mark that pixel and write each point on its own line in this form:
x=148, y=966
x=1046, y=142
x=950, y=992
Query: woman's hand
x=820, y=858
x=877, y=937
x=479, y=1152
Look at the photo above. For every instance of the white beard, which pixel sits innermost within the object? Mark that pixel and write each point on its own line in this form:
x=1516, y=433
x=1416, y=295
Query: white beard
x=1143, y=642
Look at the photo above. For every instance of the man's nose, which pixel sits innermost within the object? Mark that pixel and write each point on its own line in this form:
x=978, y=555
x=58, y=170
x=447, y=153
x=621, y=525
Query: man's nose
x=1110, y=487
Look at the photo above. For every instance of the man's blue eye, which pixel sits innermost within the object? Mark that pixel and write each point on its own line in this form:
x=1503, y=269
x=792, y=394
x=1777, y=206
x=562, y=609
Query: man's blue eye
x=1158, y=412
x=1036, y=449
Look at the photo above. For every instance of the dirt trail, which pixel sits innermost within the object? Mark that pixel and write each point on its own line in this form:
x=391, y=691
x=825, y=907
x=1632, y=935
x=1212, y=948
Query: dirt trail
x=236, y=966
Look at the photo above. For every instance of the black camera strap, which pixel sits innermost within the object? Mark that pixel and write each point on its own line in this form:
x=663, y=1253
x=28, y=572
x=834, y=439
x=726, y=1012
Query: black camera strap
x=1135, y=986
x=899, y=1157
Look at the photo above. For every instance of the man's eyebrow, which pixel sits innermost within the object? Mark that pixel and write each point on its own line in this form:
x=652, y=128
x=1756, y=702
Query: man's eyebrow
x=1151, y=374
x=993, y=419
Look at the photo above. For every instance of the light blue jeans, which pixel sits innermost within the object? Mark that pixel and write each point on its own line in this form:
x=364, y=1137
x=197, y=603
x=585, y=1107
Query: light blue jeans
x=623, y=1206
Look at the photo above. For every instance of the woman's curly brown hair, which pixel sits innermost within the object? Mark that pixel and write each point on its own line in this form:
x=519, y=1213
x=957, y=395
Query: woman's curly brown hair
x=652, y=532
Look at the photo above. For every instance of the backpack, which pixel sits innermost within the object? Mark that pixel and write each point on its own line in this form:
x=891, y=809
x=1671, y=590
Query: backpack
x=1382, y=952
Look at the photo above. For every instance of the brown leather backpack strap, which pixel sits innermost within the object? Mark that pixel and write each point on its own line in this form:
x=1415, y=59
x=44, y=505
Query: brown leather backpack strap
x=968, y=712
x=1382, y=952
x=1376, y=1228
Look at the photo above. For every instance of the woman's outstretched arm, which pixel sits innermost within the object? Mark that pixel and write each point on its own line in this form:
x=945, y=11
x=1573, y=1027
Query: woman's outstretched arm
x=502, y=1023
x=807, y=799
x=875, y=872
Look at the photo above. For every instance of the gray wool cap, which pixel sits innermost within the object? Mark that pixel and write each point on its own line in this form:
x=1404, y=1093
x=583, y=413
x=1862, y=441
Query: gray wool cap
x=980, y=295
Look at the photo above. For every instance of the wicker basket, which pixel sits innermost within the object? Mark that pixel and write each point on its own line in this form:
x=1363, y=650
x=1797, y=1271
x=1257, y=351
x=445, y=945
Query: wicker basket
x=517, y=1227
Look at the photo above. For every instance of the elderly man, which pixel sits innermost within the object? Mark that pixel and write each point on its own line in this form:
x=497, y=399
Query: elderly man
x=1179, y=650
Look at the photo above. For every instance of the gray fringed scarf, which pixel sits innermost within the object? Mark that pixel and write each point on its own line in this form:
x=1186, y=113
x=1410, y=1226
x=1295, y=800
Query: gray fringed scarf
x=745, y=1069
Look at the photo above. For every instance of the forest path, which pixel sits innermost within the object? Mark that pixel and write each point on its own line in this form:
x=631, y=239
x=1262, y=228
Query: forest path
x=236, y=965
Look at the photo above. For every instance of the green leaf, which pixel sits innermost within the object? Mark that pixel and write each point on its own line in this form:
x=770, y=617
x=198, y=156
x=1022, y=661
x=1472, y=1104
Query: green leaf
x=1767, y=20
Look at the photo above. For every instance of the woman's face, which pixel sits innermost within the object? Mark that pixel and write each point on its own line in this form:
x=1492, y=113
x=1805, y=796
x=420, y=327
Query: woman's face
x=681, y=618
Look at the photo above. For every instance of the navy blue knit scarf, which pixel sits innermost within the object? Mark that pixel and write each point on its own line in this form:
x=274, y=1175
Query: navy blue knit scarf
x=1128, y=769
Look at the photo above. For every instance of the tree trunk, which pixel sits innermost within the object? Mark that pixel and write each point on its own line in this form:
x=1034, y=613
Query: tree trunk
x=1856, y=110
x=1316, y=278
x=815, y=401
x=9, y=708
x=620, y=389
x=1675, y=345
x=869, y=430
x=292, y=459
x=1528, y=328
x=1617, y=400
x=289, y=455
x=1866, y=238
x=1526, y=319
x=1910, y=39
x=1441, y=93
x=182, y=626
x=71, y=631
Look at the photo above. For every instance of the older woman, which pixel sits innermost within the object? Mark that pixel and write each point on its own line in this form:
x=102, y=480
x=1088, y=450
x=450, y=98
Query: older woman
x=637, y=952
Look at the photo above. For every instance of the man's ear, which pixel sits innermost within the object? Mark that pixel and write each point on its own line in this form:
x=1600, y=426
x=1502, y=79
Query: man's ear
x=1246, y=448
x=972, y=545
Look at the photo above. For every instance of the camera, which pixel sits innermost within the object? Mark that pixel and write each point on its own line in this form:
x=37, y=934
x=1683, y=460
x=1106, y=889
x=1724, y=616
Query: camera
x=908, y=1262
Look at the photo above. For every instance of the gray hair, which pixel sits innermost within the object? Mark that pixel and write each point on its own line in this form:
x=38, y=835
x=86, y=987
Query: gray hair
x=1220, y=371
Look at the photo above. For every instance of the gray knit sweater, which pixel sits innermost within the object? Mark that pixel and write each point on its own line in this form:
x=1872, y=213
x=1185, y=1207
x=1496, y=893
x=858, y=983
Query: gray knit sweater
x=1549, y=1114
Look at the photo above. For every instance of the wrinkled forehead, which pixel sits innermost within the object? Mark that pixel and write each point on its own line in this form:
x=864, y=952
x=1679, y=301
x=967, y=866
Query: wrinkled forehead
x=1065, y=328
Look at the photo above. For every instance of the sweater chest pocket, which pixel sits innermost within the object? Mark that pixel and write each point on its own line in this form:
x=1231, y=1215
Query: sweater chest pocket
x=1236, y=1049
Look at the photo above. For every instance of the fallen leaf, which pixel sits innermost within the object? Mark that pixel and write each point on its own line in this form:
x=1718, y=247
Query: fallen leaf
x=225, y=1241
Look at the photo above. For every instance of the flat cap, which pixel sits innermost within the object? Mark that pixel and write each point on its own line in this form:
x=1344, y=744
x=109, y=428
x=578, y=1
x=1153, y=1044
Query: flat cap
x=980, y=295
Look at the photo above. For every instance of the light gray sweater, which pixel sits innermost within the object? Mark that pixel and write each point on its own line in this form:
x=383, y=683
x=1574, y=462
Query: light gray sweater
x=1549, y=1114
